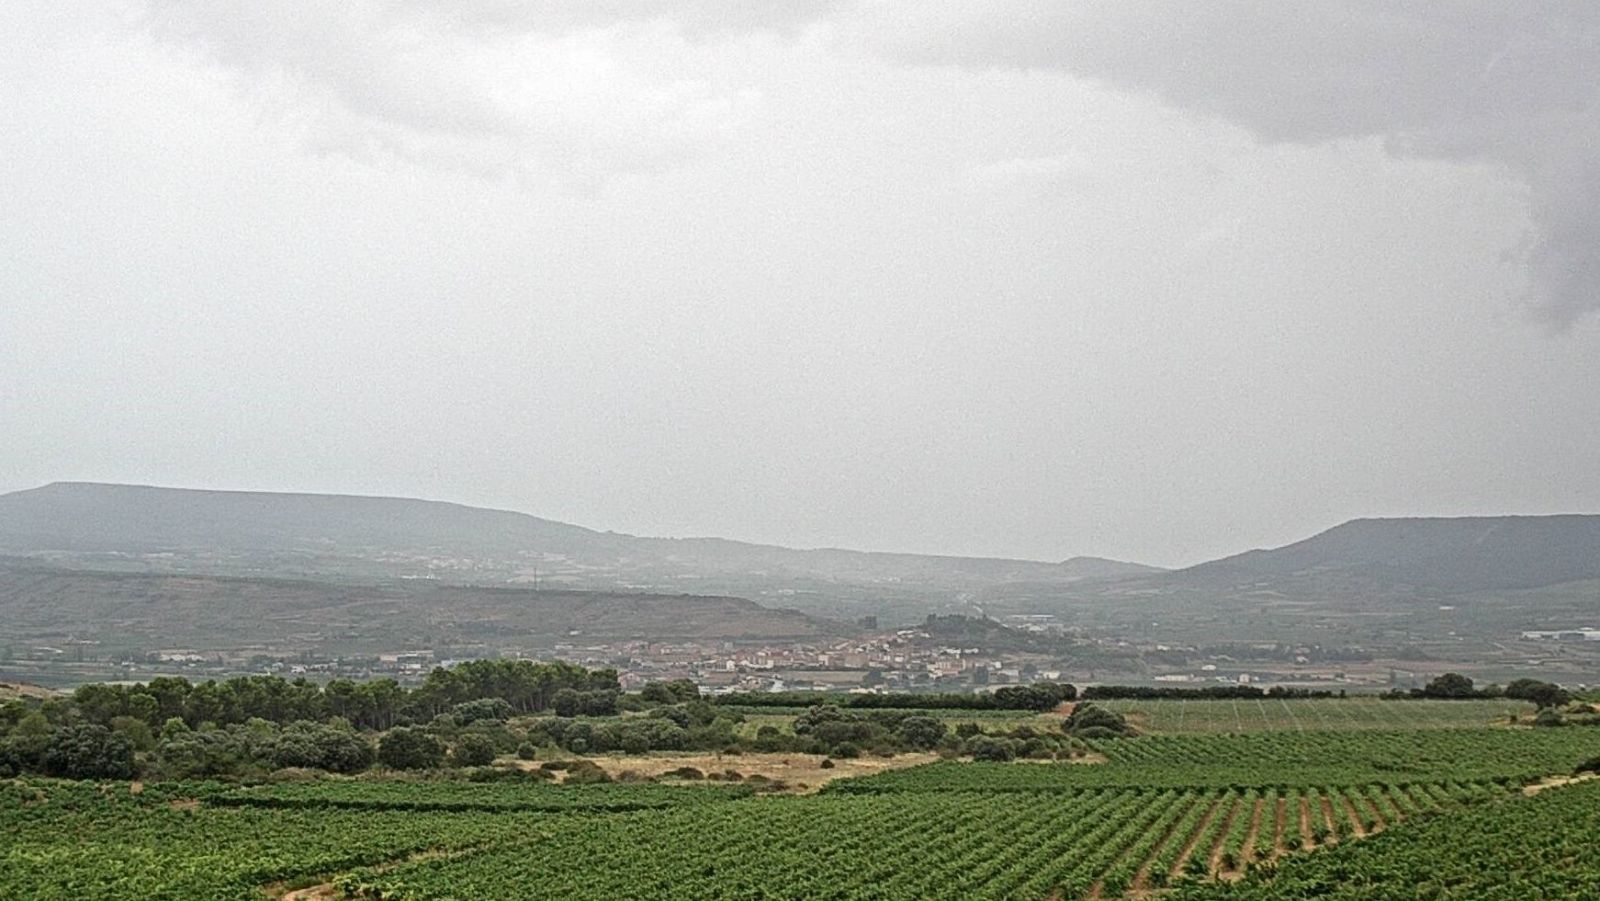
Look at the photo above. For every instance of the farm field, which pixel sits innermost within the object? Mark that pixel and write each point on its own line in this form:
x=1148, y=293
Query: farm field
x=1317, y=714
x=66, y=840
x=796, y=772
x=1540, y=847
x=1260, y=815
x=987, y=846
x=1272, y=758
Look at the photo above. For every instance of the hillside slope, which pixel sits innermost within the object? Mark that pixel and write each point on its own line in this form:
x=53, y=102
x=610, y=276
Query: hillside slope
x=1462, y=554
x=45, y=603
x=322, y=535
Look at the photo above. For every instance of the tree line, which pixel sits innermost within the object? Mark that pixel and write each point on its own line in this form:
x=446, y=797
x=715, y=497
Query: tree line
x=525, y=686
x=1040, y=696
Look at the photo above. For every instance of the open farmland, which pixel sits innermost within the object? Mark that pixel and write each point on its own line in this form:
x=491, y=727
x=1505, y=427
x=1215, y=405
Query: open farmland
x=1257, y=815
x=1317, y=714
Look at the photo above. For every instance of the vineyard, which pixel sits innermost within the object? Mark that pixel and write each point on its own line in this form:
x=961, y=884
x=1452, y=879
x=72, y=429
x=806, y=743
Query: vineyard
x=943, y=845
x=1317, y=714
x=1270, y=758
x=470, y=796
x=81, y=840
x=1272, y=814
x=1541, y=847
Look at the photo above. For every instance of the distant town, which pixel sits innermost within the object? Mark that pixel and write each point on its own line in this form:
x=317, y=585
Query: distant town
x=1040, y=649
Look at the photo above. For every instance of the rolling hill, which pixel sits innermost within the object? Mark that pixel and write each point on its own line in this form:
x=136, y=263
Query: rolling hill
x=43, y=604
x=343, y=536
x=1450, y=555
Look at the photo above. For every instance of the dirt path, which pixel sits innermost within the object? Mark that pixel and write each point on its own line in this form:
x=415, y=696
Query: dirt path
x=1556, y=782
x=1326, y=807
x=324, y=891
x=1247, y=851
x=1194, y=839
x=1214, y=859
x=801, y=773
x=1379, y=821
x=1280, y=825
x=1141, y=879
x=1307, y=834
x=1359, y=830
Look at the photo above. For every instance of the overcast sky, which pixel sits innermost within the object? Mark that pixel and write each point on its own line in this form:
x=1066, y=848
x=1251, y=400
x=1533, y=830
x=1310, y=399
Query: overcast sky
x=1150, y=281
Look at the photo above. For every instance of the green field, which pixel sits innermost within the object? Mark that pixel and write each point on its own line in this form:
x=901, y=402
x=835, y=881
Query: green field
x=1266, y=759
x=1277, y=814
x=1317, y=714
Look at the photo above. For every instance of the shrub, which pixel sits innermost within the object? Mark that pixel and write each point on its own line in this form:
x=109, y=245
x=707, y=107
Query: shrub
x=984, y=747
x=1548, y=718
x=473, y=750
x=586, y=774
x=490, y=709
x=920, y=732
x=88, y=751
x=409, y=749
x=1093, y=721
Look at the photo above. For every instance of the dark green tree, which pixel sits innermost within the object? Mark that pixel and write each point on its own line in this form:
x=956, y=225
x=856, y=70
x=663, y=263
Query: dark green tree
x=89, y=751
x=404, y=748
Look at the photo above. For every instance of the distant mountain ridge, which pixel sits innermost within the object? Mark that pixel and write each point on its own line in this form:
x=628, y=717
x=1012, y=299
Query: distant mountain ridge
x=361, y=537
x=88, y=517
x=38, y=600
x=1454, y=554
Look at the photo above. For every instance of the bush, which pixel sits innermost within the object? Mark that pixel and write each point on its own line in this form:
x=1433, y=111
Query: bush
x=526, y=751
x=1093, y=721
x=586, y=774
x=88, y=751
x=491, y=709
x=507, y=774
x=185, y=754
x=473, y=750
x=409, y=749
x=826, y=764
x=1548, y=718
x=309, y=745
x=984, y=747
x=137, y=730
x=920, y=732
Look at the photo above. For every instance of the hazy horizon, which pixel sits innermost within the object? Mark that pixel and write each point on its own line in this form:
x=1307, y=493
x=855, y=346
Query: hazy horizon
x=1018, y=279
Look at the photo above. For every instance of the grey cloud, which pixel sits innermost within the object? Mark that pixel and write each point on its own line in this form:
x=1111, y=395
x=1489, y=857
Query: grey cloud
x=544, y=91
x=694, y=18
x=1511, y=84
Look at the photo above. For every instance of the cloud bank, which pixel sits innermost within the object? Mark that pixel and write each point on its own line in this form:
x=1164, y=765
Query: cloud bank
x=1515, y=85
x=562, y=92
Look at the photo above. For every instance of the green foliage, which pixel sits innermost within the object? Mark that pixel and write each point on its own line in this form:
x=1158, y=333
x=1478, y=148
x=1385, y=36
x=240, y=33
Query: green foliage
x=1089, y=720
x=1267, y=714
x=1543, y=694
x=1450, y=685
x=676, y=691
x=1159, y=807
x=491, y=709
x=473, y=750
x=88, y=751
x=404, y=748
x=1528, y=848
x=1511, y=757
x=985, y=747
x=920, y=732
